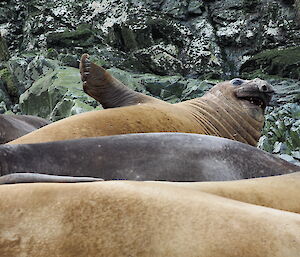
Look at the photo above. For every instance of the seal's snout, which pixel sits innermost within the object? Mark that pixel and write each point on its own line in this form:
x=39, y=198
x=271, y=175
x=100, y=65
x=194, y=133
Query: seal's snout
x=265, y=89
x=257, y=92
x=263, y=86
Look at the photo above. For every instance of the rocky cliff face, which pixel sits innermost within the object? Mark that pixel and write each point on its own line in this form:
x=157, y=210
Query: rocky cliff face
x=183, y=47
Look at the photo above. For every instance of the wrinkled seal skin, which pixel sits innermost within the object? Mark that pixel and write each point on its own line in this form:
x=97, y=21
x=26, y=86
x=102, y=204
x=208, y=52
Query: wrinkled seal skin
x=152, y=156
x=15, y=126
x=144, y=219
x=230, y=110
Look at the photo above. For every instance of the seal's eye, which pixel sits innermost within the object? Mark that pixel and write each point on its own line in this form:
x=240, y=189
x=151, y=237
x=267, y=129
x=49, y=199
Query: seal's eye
x=237, y=82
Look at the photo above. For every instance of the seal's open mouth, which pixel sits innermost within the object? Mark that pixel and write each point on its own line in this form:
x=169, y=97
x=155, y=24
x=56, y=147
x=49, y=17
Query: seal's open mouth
x=255, y=100
x=255, y=93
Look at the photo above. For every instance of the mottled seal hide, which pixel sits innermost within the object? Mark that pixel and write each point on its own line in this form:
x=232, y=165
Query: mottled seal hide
x=151, y=156
x=139, y=219
x=231, y=109
x=14, y=126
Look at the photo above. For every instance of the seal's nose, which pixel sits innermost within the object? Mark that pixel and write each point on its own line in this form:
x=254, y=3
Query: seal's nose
x=264, y=86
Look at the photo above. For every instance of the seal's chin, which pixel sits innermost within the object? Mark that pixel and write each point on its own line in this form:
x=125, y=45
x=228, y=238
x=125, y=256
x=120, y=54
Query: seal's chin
x=254, y=101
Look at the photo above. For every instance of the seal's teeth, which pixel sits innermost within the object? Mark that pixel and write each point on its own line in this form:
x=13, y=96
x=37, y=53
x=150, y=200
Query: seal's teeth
x=86, y=73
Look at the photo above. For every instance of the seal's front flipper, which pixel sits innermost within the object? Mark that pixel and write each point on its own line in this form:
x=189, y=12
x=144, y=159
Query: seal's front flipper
x=106, y=89
x=17, y=178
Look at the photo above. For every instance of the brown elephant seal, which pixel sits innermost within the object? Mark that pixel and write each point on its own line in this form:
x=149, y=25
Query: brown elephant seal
x=279, y=192
x=15, y=126
x=148, y=156
x=231, y=109
x=138, y=219
x=111, y=93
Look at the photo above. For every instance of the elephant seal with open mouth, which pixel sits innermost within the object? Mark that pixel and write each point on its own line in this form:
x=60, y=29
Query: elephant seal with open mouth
x=231, y=109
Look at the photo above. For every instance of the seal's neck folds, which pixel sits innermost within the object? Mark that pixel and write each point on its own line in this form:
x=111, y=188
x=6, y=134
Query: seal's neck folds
x=221, y=117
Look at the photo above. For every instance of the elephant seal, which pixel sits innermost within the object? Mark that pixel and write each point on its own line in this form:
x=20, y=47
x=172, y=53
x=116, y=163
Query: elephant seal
x=149, y=156
x=111, y=93
x=279, y=192
x=231, y=109
x=15, y=126
x=121, y=218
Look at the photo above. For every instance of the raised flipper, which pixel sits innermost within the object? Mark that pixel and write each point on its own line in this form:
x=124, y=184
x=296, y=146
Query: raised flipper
x=106, y=89
x=16, y=178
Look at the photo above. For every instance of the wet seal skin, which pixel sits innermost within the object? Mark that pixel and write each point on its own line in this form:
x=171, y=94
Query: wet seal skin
x=15, y=126
x=42, y=178
x=129, y=218
x=148, y=156
x=231, y=109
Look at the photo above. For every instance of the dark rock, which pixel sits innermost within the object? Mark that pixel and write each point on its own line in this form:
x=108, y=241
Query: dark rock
x=83, y=36
x=69, y=60
x=4, y=53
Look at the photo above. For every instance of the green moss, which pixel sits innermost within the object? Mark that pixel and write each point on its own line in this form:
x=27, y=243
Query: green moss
x=283, y=63
x=259, y=74
x=10, y=84
x=83, y=36
x=54, y=95
x=51, y=53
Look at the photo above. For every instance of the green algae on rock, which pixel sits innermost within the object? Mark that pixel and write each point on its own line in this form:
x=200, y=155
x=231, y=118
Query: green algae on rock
x=54, y=95
x=284, y=63
x=10, y=84
x=83, y=36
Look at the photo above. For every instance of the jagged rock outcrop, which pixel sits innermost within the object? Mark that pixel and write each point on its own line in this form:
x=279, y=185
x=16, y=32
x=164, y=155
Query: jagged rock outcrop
x=208, y=39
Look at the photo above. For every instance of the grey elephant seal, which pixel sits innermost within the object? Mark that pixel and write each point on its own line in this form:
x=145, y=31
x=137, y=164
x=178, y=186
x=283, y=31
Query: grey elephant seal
x=231, y=109
x=15, y=126
x=150, y=156
x=129, y=218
